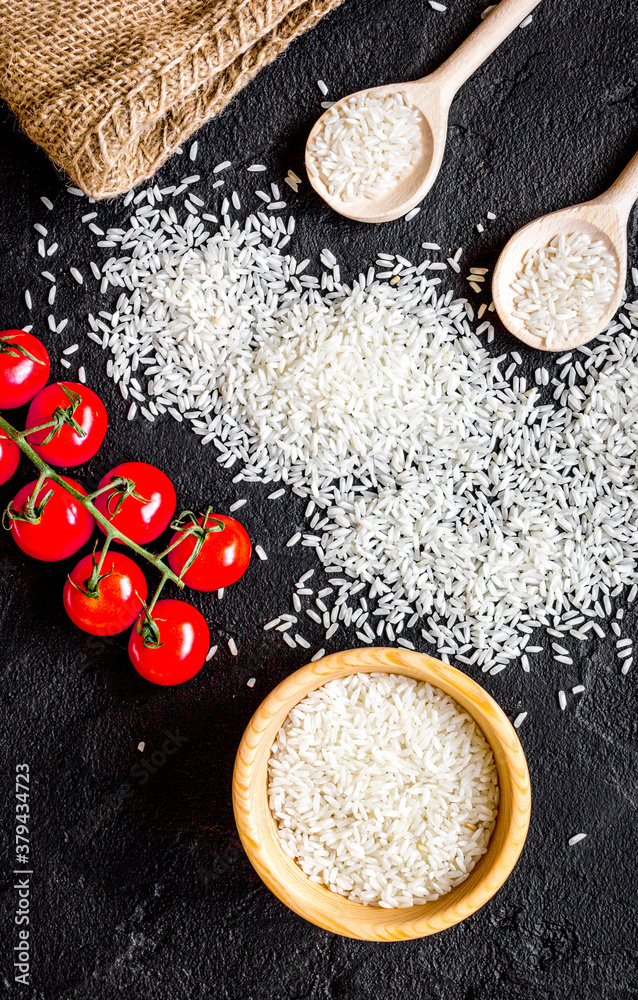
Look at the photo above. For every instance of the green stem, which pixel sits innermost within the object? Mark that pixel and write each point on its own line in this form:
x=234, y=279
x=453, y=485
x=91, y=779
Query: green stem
x=158, y=591
x=178, y=541
x=46, y=472
x=105, y=549
x=29, y=507
x=116, y=481
x=32, y=430
x=93, y=582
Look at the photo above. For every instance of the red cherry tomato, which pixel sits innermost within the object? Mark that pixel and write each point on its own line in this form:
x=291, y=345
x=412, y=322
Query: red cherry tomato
x=121, y=592
x=24, y=368
x=67, y=447
x=144, y=514
x=9, y=457
x=63, y=525
x=184, y=638
x=222, y=559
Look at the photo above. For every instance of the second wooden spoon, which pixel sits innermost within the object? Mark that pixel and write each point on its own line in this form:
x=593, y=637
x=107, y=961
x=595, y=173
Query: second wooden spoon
x=603, y=218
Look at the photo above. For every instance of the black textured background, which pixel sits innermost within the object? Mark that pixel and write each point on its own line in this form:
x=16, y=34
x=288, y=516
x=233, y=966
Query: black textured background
x=151, y=896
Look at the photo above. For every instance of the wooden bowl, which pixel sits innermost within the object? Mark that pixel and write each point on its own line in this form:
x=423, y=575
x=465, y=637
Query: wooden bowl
x=327, y=909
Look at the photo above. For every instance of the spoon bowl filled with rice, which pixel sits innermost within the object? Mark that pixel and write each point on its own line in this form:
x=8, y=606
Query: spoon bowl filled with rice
x=559, y=280
x=374, y=155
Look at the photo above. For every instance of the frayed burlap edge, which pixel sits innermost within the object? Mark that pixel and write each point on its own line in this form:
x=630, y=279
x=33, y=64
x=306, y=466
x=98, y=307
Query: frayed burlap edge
x=140, y=132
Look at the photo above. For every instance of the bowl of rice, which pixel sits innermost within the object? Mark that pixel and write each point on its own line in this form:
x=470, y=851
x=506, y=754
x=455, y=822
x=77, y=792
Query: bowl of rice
x=381, y=794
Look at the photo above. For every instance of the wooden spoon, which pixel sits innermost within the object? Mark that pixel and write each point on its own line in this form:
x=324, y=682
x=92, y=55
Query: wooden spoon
x=604, y=218
x=432, y=96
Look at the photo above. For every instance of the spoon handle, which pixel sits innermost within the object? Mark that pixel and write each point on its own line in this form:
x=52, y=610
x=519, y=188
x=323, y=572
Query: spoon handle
x=473, y=52
x=624, y=191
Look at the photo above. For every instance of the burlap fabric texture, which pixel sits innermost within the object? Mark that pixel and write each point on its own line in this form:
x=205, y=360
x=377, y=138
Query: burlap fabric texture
x=109, y=88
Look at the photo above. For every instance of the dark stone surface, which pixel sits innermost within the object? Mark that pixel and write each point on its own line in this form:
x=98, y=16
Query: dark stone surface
x=150, y=896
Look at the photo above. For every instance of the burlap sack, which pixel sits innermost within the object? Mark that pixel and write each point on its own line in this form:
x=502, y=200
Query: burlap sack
x=109, y=88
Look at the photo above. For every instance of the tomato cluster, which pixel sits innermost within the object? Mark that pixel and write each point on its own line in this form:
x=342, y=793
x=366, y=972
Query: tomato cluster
x=51, y=518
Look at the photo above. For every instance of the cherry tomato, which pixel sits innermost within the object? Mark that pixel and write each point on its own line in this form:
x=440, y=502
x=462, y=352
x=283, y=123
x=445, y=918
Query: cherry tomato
x=24, y=368
x=184, y=638
x=9, y=457
x=66, y=446
x=63, y=525
x=222, y=559
x=121, y=592
x=144, y=514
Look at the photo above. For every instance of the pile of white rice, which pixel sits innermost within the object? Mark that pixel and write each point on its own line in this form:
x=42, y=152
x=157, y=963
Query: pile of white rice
x=383, y=789
x=563, y=288
x=445, y=494
x=367, y=144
